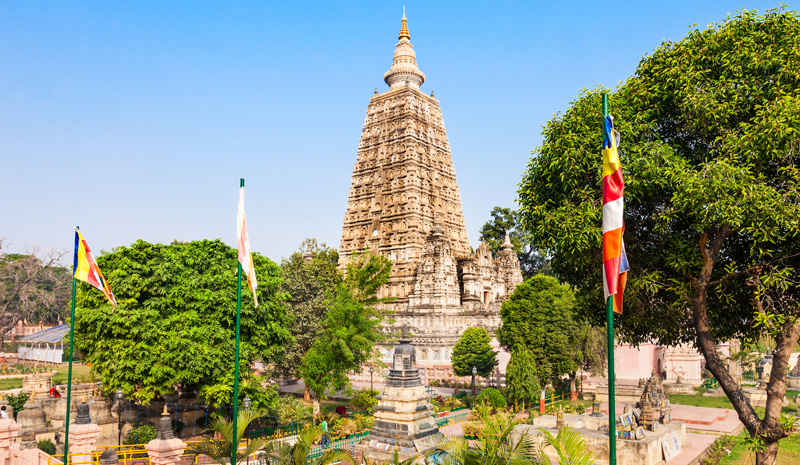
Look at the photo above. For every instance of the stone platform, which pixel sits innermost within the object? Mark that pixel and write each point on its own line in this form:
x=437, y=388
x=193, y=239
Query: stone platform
x=704, y=420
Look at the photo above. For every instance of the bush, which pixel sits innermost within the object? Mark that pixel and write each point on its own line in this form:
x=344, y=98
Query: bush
x=46, y=446
x=580, y=409
x=141, y=434
x=290, y=409
x=17, y=402
x=494, y=397
x=364, y=400
x=460, y=395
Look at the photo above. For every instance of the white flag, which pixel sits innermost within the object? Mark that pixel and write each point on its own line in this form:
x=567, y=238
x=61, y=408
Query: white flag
x=243, y=243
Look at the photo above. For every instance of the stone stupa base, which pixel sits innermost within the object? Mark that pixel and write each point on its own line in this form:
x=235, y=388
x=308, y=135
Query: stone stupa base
x=381, y=450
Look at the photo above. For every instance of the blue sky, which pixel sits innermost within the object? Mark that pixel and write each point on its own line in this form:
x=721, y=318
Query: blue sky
x=136, y=120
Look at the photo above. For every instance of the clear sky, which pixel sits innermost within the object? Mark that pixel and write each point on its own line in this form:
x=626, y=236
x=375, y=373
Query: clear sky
x=136, y=120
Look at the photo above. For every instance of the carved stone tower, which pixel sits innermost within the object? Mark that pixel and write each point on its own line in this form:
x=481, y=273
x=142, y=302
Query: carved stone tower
x=403, y=176
x=404, y=203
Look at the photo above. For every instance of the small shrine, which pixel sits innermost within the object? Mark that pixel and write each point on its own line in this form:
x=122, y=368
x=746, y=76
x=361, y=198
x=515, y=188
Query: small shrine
x=403, y=416
x=653, y=391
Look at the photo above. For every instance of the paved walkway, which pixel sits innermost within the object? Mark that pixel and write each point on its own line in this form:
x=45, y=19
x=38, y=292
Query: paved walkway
x=696, y=444
x=707, y=420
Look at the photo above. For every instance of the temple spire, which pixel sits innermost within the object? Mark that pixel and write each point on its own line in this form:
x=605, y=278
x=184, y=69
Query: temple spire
x=404, y=28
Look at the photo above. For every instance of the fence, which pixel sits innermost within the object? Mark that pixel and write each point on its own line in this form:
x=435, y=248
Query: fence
x=556, y=397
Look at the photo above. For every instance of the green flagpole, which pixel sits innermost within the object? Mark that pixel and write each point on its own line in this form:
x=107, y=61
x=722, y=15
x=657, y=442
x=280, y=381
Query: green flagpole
x=612, y=427
x=235, y=446
x=69, y=371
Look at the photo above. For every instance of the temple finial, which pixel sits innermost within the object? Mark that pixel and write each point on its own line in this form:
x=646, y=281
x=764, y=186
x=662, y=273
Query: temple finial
x=404, y=28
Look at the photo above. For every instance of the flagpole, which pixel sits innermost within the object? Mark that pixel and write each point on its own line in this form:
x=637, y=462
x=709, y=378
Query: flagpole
x=69, y=371
x=235, y=438
x=612, y=400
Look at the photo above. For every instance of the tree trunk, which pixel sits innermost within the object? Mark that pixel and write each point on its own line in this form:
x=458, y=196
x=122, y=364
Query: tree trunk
x=307, y=394
x=768, y=456
x=316, y=412
x=573, y=393
x=768, y=427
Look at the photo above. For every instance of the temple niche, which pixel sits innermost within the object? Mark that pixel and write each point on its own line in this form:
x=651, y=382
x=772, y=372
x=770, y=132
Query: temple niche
x=404, y=203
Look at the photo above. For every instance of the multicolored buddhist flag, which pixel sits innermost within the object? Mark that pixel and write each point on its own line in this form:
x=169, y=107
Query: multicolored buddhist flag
x=615, y=262
x=86, y=269
x=243, y=243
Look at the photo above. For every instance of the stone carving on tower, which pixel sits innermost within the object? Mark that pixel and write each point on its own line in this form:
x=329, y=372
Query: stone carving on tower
x=404, y=203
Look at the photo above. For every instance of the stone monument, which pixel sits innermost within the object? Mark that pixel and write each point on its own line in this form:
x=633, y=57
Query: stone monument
x=403, y=419
x=404, y=203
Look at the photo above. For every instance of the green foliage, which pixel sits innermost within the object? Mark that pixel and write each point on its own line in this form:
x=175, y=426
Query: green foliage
x=46, y=446
x=364, y=399
x=473, y=349
x=352, y=325
x=290, y=409
x=17, y=402
x=538, y=316
x=709, y=126
x=493, y=232
x=220, y=447
x=570, y=447
x=141, y=433
x=709, y=153
x=282, y=453
x=788, y=422
x=493, y=397
x=309, y=284
x=175, y=320
x=522, y=386
x=499, y=444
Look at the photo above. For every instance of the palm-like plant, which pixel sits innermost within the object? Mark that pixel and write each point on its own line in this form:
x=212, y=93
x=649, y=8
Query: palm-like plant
x=500, y=445
x=298, y=453
x=569, y=445
x=219, y=447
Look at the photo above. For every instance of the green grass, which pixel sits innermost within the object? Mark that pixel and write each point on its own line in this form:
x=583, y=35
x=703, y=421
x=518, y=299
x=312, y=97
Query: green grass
x=722, y=402
x=788, y=451
x=80, y=374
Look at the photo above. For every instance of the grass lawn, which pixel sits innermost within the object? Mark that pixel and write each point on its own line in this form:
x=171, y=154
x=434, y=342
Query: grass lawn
x=722, y=402
x=788, y=451
x=80, y=374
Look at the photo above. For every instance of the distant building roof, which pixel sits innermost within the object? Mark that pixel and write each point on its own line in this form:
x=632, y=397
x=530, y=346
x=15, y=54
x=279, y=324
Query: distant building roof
x=54, y=334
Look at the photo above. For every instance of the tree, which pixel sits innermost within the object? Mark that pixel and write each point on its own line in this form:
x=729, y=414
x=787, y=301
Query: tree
x=175, y=321
x=309, y=284
x=34, y=286
x=522, y=386
x=538, y=316
x=709, y=154
x=473, y=349
x=219, y=448
x=493, y=232
x=352, y=327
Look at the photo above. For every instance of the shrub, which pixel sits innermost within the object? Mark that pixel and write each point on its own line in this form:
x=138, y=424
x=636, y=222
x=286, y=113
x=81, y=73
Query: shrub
x=460, y=395
x=580, y=409
x=494, y=397
x=364, y=400
x=46, y=446
x=290, y=409
x=17, y=402
x=141, y=434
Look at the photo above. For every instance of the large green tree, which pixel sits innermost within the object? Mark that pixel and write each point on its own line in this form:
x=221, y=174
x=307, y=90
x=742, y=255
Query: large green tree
x=474, y=349
x=351, y=328
x=175, y=320
x=710, y=127
x=538, y=316
x=309, y=284
x=506, y=220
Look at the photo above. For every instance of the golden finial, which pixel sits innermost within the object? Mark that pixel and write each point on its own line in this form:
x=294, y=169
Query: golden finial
x=404, y=28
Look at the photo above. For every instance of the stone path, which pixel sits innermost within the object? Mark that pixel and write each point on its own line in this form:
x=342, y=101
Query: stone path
x=696, y=445
x=705, y=420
